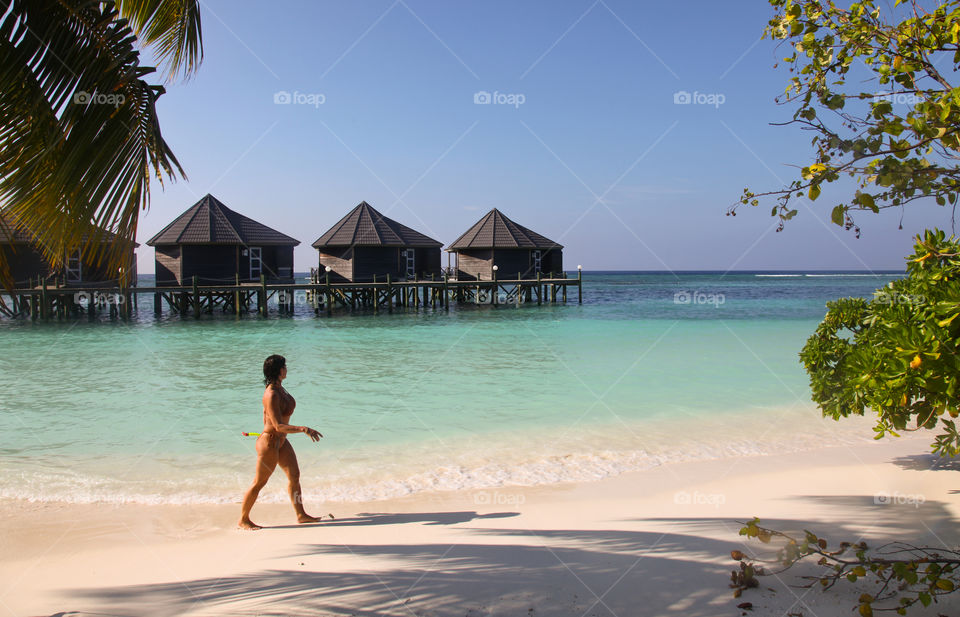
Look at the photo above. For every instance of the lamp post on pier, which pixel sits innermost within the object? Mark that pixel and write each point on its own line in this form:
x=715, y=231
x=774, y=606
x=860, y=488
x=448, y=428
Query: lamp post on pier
x=579, y=284
x=328, y=294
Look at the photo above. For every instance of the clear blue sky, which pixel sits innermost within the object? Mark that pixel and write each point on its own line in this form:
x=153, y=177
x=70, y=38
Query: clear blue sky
x=597, y=156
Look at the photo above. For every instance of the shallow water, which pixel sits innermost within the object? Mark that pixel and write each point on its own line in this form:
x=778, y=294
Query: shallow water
x=652, y=368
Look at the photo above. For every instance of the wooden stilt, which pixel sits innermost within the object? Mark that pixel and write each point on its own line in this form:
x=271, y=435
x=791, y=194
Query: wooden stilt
x=263, y=295
x=196, y=297
x=446, y=292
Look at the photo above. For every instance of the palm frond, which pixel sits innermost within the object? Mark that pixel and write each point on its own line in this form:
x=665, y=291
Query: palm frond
x=172, y=28
x=79, y=134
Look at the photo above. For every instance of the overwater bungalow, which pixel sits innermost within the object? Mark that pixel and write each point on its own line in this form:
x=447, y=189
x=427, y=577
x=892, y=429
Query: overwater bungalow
x=24, y=257
x=495, y=240
x=365, y=243
x=217, y=245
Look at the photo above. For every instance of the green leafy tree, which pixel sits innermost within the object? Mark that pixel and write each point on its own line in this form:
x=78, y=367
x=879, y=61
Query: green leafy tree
x=896, y=355
x=80, y=139
x=876, y=90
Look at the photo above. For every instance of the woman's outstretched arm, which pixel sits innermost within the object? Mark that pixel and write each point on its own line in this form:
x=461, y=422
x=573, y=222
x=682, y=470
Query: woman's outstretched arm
x=271, y=405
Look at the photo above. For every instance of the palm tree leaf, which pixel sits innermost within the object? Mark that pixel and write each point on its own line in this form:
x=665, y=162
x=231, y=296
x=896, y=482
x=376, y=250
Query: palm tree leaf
x=79, y=134
x=172, y=28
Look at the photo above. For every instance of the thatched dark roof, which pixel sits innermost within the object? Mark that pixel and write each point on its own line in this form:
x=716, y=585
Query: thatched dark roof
x=12, y=233
x=364, y=226
x=210, y=222
x=496, y=231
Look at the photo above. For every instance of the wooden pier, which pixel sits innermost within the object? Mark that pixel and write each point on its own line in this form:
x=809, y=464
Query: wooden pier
x=318, y=295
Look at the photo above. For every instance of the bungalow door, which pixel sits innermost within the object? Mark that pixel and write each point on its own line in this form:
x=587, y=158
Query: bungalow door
x=74, y=267
x=256, y=263
x=536, y=261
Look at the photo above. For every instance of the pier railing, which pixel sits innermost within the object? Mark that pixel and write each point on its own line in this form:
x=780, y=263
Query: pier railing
x=317, y=294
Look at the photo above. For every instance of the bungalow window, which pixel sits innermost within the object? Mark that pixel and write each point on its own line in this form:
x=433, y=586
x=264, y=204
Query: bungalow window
x=536, y=261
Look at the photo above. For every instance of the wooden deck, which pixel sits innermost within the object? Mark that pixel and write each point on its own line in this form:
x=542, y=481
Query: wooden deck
x=319, y=297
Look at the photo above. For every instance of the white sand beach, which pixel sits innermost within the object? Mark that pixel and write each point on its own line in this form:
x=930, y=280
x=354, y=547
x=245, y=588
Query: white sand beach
x=648, y=543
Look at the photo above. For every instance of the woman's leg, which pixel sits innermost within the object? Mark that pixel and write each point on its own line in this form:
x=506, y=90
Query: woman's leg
x=288, y=463
x=267, y=457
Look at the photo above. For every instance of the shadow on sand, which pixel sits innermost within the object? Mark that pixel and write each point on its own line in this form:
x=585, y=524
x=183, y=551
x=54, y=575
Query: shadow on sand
x=383, y=518
x=682, y=570
x=925, y=462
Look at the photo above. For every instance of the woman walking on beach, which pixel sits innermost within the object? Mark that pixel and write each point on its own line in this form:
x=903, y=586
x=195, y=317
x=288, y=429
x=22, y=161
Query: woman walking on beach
x=272, y=446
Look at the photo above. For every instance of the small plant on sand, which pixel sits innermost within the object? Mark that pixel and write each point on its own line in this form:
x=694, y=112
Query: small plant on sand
x=906, y=574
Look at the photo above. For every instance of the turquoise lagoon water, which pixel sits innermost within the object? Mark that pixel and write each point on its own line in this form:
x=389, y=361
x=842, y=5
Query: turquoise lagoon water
x=652, y=368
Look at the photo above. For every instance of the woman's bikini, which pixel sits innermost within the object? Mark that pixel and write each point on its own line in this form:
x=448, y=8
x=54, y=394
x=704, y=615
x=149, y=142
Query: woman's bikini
x=274, y=438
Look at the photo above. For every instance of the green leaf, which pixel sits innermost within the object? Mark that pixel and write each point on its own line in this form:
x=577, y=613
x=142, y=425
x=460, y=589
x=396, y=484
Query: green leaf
x=837, y=215
x=946, y=322
x=814, y=192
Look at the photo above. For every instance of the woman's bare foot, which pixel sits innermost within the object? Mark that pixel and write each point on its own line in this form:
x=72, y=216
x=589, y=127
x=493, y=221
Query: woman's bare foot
x=246, y=523
x=306, y=518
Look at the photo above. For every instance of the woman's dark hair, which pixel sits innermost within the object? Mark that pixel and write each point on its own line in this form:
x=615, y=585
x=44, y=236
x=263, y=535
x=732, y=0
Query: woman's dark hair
x=272, y=367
